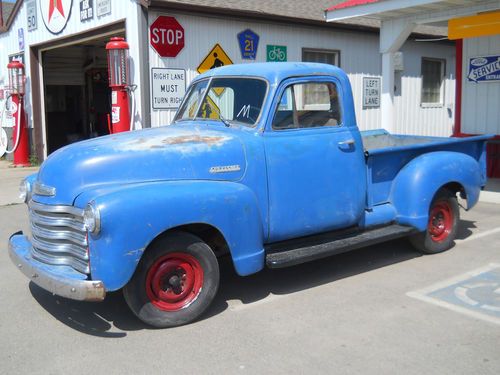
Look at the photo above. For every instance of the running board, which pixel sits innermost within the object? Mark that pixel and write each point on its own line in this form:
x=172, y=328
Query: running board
x=292, y=252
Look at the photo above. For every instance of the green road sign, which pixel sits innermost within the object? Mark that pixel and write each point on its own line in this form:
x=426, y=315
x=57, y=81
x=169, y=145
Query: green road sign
x=276, y=53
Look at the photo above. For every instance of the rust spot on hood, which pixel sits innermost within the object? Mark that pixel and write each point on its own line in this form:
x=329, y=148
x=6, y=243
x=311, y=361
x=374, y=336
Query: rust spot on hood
x=192, y=139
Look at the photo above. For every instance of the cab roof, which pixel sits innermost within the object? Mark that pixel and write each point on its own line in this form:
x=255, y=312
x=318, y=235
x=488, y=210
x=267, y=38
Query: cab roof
x=274, y=72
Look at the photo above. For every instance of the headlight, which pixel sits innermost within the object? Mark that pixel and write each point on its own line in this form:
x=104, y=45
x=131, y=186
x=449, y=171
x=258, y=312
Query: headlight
x=92, y=219
x=25, y=191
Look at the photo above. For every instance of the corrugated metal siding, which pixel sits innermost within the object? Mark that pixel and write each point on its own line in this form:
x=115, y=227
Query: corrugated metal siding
x=410, y=116
x=359, y=57
x=480, y=101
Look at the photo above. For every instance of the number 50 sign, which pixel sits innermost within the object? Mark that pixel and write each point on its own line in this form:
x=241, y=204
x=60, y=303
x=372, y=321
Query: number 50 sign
x=249, y=41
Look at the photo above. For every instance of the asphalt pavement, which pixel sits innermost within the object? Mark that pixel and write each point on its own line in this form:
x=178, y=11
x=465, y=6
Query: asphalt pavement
x=381, y=310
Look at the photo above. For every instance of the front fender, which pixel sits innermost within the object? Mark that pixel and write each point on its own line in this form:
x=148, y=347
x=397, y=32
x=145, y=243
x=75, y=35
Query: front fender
x=416, y=184
x=134, y=215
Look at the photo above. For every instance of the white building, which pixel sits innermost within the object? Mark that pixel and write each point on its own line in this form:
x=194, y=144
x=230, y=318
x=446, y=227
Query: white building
x=62, y=45
x=474, y=25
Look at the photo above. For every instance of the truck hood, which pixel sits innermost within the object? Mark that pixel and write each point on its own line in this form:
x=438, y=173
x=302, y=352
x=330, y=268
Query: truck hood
x=176, y=152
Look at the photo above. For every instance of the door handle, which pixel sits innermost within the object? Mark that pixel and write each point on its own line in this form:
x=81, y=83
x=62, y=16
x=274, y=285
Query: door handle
x=346, y=145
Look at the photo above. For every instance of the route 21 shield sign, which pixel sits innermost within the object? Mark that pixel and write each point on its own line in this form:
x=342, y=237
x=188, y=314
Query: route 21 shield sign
x=249, y=41
x=484, y=69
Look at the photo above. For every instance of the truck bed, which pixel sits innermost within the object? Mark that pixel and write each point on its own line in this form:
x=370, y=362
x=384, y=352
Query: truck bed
x=381, y=139
x=386, y=154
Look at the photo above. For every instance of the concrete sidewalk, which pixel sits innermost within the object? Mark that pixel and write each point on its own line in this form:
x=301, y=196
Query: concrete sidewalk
x=10, y=178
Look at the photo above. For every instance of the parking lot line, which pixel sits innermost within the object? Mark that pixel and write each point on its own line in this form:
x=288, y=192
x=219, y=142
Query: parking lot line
x=453, y=293
x=480, y=235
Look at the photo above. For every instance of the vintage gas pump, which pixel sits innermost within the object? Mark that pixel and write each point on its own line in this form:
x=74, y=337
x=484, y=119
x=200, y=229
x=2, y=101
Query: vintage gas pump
x=119, y=81
x=20, y=132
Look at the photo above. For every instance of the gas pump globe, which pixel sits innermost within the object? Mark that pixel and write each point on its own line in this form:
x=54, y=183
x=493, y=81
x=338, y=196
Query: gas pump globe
x=119, y=82
x=16, y=77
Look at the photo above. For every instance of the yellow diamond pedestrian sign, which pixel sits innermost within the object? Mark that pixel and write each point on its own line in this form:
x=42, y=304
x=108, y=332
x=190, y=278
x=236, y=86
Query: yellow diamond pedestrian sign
x=215, y=58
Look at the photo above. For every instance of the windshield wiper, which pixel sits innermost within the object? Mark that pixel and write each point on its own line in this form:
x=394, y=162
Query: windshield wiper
x=223, y=120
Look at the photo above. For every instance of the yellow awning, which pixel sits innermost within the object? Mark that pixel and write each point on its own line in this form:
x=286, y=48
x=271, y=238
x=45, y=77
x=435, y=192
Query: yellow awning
x=474, y=26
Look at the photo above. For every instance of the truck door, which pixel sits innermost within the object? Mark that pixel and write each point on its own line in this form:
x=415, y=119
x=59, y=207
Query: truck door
x=316, y=169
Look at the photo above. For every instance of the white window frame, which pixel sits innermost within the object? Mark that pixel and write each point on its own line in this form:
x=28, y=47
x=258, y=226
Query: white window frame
x=334, y=52
x=441, y=88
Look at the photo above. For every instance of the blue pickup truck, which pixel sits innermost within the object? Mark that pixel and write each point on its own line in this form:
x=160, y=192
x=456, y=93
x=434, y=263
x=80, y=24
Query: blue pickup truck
x=263, y=163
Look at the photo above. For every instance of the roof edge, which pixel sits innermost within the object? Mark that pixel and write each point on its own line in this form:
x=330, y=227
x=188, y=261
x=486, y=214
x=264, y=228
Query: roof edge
x=12, y=16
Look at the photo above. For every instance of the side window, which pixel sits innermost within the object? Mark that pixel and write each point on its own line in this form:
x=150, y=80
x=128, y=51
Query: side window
x=433, y=71
x=308, y=105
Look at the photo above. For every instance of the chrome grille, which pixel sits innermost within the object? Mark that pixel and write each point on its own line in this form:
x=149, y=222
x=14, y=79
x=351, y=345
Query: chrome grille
x=59, y=236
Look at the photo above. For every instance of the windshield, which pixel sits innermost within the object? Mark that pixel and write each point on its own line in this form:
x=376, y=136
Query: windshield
x=232, y=100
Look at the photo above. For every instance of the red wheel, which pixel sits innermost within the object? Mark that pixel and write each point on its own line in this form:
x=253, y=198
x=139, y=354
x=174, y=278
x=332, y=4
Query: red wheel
x=442, y=226
x=175, y=281
x=440, y=221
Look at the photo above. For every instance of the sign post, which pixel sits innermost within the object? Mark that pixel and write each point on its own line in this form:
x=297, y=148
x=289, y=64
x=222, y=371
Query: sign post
x=166, y=36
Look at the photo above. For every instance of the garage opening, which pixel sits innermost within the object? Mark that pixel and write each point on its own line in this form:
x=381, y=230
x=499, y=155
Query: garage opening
x=77, y=98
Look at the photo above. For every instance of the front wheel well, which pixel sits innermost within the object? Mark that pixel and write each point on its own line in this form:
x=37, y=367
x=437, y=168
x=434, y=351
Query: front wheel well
x=207, y=233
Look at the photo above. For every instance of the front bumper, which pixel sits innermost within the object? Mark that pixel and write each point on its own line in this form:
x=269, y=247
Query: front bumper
x=61, y=280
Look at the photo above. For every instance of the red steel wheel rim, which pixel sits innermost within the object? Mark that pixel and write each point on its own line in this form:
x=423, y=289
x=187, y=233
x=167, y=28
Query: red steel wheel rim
x=174, y=281
x=440, y=221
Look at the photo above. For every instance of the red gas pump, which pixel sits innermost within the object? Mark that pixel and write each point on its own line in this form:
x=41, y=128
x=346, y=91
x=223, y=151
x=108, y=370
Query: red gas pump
x=20, y=141
x=119, y=81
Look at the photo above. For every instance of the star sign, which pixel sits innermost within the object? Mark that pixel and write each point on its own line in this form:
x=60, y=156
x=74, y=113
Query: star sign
x=57, y=4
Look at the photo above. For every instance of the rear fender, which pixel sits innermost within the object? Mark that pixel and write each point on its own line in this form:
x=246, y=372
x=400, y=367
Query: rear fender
x=133, y=216
x=416, y=184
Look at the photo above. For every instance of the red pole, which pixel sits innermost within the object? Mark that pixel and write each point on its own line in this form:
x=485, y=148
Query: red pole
x=21, y=153
x=457, y=129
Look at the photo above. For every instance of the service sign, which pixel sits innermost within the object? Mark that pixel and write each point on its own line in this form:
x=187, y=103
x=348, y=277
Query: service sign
x=249, y=41
x=86, y=10
x=168, y=87
x=371, y=92
x=31, y=18
x=484, y=69
x=55, y=14
x=103, y=7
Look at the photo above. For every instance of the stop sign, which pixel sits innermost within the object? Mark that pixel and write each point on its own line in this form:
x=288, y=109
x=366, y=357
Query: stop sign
x=166, y=36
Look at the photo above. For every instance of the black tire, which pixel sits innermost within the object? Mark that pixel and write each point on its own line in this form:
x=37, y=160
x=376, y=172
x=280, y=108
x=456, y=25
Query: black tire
x=178, y=266
x=444, y=216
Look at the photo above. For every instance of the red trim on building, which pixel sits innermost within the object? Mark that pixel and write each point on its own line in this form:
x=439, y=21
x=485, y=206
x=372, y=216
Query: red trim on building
x=457, y=129
x=351, y=3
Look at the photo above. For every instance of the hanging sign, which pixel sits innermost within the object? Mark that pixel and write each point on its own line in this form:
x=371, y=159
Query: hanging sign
x=484, y=69
x=31, y=18
x=371, y=92
x=103, y=7
x=168, y=87
x=55, y=14
x=276, y=53
x=166, y=36
x=216, y=57
x=86, y=10
x=249, y=41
